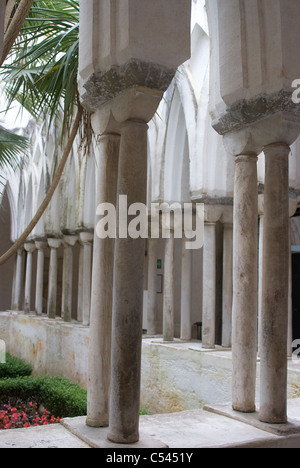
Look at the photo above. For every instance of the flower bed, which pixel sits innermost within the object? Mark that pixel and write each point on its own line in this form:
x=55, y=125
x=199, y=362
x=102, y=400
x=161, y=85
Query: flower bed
x=22, y=415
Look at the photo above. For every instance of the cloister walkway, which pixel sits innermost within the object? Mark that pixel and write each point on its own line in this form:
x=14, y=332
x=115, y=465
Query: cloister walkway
x=186, y=430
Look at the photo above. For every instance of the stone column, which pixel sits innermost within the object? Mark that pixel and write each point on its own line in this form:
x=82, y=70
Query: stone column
x=80, y=285
x=227, y=285
x=19, y=280
x=128, y=293
x=274, y=320
x=41, y=247
x=67, y=284
x=168, y=292
x=186, y=293
x=54, y=245
x=209, y=285
x=86, y=238
x=30, y=248
x=152, y=287
x=260, y=267
x=290, y=298
x=102, y=287
x=245, y=245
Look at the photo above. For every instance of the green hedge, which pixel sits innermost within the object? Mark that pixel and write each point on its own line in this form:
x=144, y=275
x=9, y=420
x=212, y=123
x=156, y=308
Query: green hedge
x=14, y=367
x=60, y=396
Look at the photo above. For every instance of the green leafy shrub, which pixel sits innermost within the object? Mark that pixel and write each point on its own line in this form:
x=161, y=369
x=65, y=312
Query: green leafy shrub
x=60, y=396
x=63, y=397
x=14, y=367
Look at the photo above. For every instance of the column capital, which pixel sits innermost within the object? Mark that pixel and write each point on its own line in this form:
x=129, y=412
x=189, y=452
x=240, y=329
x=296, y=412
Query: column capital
x=86, y=237
x=213, y=213
x=70, y=241
x=277, y=149
x=41, y=245
x=227, y=216
x=54, y=243
x=20, y=251
x=135, y=105
x=293, y=204
x=30, y=247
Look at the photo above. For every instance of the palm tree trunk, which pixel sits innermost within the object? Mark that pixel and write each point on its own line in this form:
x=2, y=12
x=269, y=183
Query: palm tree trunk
x=15, y=27
x=50, y=193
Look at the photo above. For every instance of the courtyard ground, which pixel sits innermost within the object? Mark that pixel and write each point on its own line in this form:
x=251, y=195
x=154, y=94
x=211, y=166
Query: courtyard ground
x=206, y=428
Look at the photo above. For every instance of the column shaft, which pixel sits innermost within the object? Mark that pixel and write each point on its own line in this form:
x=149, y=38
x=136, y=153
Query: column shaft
x=86, y=238
x=274, y=320
x=245, y=245
x=152, y=285
x=41, y=246
x=67, y=285
x=54, y=244
x=80, y=285
x=19, y=280
x=260, y=278
x=186, y=293
x=28, y=279
x=227, y=286
x=102, y=286
x=168, y=300
x=209, y=286
x=128, y=293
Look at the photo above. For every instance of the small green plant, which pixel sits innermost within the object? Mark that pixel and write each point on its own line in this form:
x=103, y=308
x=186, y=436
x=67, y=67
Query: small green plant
x=14, y=367
x=144, y=412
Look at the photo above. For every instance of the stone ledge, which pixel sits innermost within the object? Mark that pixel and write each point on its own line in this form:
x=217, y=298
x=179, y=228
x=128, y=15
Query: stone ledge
x=282, y=430
x=97, y=437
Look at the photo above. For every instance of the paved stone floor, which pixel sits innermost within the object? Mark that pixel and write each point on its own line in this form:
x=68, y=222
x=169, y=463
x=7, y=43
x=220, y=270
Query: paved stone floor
x=217, y=428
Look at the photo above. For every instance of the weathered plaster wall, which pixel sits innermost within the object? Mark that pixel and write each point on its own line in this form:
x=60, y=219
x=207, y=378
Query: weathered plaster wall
x=179, y=377
x=175, y=377
x=53, y=347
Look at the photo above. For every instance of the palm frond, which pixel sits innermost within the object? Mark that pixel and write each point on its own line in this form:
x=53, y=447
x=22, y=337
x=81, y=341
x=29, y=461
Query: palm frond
x=41, y=71
x=12, y=148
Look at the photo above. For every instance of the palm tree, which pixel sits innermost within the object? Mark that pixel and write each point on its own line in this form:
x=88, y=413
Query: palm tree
x=41, y=74
x=41, y=68
x=12, y=147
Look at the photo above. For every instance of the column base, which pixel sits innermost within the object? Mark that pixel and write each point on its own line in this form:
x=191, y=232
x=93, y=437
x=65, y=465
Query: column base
x=239, y=409
x=269, y=419
x=121, y=439
x=97, y=423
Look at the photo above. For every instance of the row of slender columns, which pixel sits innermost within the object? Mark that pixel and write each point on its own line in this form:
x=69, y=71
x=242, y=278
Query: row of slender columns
x=210, y=288
x=275, y=288
x=68, y=242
